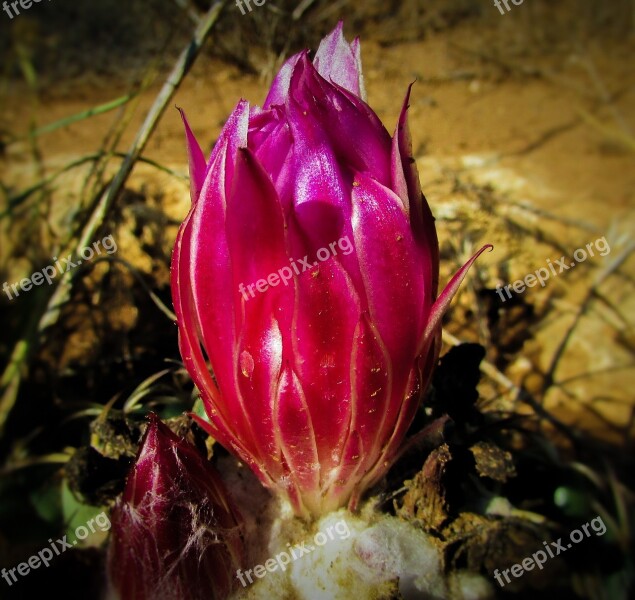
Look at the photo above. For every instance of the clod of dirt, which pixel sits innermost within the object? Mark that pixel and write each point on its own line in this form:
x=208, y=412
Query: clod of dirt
x=425, y=499
x=492, y=461
x=481, y=543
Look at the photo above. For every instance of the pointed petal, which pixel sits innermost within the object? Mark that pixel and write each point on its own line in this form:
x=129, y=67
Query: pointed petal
x=399, y=183
x=280, y=87
x=271, y=141
x=255, y=225
x=211, y=279
x=202, y=249
x=318, y=175
x=342, y=479
x=392, y=438
x=406, y=185
x=296, y=437
x=344, y=117
x=232, y=137
x=189, y=343
x=444, y=299
x=357, y=52
x=336, y=60
x=394, y=307
x=256, y=236
x=223, y=427
x=371, y=410
x=196, y=160
x=326, y=313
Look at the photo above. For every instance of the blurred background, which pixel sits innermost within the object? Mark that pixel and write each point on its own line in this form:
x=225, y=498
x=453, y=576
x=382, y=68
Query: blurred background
x=523, y=126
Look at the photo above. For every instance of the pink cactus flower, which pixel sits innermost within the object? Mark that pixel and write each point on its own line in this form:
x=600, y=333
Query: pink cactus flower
x=175, y=533
x=306, y=272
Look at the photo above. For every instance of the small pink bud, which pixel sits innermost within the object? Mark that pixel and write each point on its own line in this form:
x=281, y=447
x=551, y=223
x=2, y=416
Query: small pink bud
x=175, y=533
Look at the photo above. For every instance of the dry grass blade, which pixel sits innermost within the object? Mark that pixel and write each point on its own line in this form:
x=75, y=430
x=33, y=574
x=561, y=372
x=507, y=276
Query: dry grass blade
x=86, y=114
x=142, y=390
x=617, y=136
x=44, y=318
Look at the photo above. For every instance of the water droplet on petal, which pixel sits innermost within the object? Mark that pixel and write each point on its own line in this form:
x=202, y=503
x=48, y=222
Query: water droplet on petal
x=246, y=364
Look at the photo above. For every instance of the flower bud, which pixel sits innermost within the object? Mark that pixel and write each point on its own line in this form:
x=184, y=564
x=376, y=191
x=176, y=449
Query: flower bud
x=306, y=273
x=175, y=533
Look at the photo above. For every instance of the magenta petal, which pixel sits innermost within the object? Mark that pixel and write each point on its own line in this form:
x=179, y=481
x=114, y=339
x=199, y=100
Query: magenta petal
x=189, y=342
x=337, y=61
x=444, y=299
x=224, y=428
x=406, y=184
x=318, y=174
x=326, y=313
x=255, y=224
x=402, y=153
x=204, y=247
x=356, y=47
x=399, y=183
x=272, y=144
x=196, y=159
x=343, y=478
x=232, y=137
x=202, y=244
x=296, y=437
x=256, y=236
x=257, y=371
x=207, y=248
x=280, y=87
x=378, y=214
x=372, y=392
x=347, y=118
x=392, y=437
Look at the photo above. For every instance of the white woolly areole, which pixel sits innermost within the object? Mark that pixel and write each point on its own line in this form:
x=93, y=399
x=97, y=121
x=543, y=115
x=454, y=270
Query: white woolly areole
x=344, y=556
